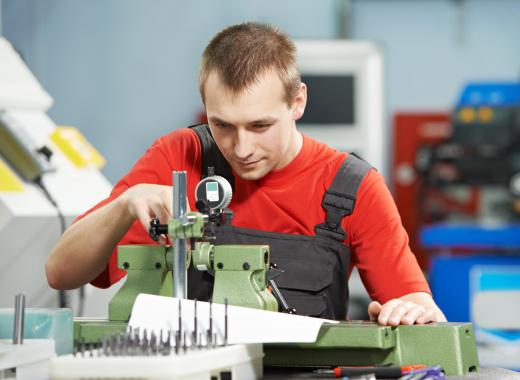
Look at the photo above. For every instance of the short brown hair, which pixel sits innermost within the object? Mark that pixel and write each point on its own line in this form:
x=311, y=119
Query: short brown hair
x=239, y=54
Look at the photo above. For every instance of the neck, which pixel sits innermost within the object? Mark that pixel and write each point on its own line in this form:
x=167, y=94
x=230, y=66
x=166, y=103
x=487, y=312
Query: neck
x=294, y=148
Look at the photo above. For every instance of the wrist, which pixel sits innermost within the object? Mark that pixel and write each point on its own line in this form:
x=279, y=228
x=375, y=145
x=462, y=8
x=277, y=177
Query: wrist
x=122, y=207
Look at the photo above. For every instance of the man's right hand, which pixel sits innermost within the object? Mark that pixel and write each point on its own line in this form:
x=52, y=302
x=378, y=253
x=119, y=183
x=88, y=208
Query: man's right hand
x=147, y=201
x=83, y=251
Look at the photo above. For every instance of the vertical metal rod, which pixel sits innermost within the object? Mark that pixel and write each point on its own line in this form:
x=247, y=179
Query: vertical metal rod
x=179, y=245
x=19, y=316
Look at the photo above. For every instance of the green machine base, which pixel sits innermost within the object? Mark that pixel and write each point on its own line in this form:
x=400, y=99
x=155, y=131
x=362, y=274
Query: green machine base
x=355, y=343
x=358, y=343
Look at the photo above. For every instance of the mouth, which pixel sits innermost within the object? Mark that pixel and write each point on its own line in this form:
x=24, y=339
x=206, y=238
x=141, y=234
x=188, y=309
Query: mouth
x=248, y=163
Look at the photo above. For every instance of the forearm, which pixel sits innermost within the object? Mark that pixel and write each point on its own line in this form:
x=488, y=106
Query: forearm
x=83, y=251
x=425, y=300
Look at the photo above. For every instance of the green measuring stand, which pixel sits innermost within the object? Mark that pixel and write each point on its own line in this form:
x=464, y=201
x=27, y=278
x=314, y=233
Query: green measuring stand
x=240, y=273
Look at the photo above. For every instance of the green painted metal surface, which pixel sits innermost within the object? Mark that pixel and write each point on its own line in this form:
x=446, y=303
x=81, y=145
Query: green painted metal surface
x=192, y=229
x=451, y=345
x=241, y=276
x=147, y=272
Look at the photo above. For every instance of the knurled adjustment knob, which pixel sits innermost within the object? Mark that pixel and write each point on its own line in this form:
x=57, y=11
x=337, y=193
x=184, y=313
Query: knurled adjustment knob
x=157, y=229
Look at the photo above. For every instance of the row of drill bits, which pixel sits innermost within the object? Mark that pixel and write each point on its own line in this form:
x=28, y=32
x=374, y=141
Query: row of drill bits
x=134, y=343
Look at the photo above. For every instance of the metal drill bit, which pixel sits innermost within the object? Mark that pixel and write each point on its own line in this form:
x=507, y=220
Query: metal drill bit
x=210, y=332
x=160, y=343
x=180, y=319
x=195, y=322
x=177, y=342
x=19, y=316
x=199, y=345
x=225, y=322
x=142, y=345
x=82, y=346
x=106, y=345
x=164, y=345
x=153, y=343
x=113, y=346
x=184, y=344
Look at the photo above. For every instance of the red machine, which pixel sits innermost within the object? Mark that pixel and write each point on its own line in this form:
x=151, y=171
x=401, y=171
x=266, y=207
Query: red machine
x=418, y=205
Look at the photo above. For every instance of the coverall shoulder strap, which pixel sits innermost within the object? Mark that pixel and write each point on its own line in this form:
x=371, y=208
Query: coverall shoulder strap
x=211, y=155
x=340, y=198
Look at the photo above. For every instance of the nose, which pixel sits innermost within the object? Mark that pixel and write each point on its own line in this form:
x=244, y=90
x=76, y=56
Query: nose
x=244, y=145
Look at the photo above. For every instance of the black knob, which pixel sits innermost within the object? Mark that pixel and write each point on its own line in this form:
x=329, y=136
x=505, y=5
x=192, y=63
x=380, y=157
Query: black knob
x=157, y=229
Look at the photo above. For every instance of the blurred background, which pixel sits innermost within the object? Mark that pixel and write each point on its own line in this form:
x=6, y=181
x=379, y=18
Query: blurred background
x=428, y=91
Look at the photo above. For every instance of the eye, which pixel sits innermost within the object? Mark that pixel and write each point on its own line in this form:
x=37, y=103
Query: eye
x=261, y=126
x=221, y=125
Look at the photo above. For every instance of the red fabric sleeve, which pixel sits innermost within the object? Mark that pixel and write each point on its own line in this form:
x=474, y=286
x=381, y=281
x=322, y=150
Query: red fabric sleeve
x=179, y=150
x=379, y=242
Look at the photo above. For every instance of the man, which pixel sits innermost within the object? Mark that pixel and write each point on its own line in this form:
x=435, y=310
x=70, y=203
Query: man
x=290, y=192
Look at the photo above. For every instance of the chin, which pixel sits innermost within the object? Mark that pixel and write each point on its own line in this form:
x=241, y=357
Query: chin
x=251, y=175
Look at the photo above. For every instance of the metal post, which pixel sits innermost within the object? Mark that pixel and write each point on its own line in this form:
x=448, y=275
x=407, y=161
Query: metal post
x=179, y=245
x=19, y=316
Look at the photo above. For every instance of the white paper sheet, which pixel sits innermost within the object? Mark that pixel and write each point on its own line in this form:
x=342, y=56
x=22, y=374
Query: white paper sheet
x=245, y=325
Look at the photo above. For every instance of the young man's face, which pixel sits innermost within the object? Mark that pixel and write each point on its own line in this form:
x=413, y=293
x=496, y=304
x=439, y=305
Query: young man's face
x=255, y=129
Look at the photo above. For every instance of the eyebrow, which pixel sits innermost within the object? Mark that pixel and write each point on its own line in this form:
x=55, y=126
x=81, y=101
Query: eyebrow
x=266, y=120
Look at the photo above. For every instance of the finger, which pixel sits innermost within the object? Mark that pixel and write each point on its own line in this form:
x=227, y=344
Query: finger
x=411, y=316
x=167, y=200
x=428, y=316
x=399, y=312
x=373, y=310
x=159, y=211
x=163, y=239
x=386, y=311
x=143, y=215
x=166, y=214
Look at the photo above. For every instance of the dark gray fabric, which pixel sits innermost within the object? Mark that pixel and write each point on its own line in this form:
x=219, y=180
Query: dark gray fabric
x=211, y=155
x=340, y=198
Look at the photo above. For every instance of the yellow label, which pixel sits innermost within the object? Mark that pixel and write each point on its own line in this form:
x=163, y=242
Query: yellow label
x=76, y=147
x=8, y=180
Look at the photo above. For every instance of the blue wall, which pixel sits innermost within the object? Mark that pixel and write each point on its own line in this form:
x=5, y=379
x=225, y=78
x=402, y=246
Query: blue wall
x=125, y=71
x=428, y=59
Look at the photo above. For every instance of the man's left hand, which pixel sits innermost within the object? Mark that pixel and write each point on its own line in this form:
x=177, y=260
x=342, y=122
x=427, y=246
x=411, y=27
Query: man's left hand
x=414, y=308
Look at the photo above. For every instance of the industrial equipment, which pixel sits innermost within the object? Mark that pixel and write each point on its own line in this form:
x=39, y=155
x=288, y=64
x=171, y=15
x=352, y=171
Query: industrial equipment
x=49, y=175
x=149, y=270
x=463, y=173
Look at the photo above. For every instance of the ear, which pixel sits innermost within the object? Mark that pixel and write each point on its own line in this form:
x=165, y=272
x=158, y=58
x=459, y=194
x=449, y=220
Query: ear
x=300, y=101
